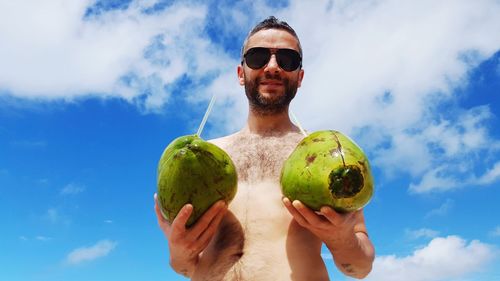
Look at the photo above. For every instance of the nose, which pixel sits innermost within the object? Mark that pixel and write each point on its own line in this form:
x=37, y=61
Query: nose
x=272, y=66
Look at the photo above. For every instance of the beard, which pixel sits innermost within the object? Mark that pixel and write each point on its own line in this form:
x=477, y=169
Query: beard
x=270, y=105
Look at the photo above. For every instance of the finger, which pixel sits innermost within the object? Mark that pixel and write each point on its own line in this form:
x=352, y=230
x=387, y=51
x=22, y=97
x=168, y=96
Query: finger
x=159, y=216
x=162, y=222
x=335, y=217
x=179, y=223
x=309, y=215
x=202, y=224
x=295, y=214
x=214, y=223
x=209, y=233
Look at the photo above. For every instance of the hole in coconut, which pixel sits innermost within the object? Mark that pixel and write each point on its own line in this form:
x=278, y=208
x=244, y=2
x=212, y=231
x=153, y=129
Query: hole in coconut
x=346, y=181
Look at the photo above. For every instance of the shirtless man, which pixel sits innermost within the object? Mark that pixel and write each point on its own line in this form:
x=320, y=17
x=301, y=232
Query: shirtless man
x=261, y=235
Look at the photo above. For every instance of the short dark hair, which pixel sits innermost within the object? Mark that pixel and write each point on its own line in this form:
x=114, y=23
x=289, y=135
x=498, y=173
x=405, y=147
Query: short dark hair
x=271, y=23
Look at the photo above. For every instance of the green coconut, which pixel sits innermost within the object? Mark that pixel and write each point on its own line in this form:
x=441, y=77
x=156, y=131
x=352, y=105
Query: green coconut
x=197, y=172
x=328, y=169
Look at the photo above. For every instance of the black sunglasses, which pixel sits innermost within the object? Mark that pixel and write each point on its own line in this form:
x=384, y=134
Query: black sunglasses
x=258, y=57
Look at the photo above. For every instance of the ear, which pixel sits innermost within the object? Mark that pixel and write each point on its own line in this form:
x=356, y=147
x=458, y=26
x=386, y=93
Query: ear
x=301, y=76
x=241, y=75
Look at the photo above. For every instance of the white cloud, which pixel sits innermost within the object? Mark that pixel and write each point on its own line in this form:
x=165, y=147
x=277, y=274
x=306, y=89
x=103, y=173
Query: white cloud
x=460, y=143
x=442, y=210
x=42, y=238
x=421, y=233
x=54, y=216
x=495, y=232
x=444, y=258
x=72, y=189
x=385, y=66
x=435, y=180
x=125, y=53
x=442, y=179
x=491, y=176
x=85, y=254
x=231, y=101
x=369, y=50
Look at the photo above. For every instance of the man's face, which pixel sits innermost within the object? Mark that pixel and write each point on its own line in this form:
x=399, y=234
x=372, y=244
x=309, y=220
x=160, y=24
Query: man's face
x=270, y=89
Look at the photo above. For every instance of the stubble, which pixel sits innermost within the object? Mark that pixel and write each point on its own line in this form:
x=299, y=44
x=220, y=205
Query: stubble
x=269, y=105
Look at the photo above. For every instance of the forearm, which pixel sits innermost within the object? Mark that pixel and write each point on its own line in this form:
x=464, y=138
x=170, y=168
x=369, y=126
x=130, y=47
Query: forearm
x=355, y=256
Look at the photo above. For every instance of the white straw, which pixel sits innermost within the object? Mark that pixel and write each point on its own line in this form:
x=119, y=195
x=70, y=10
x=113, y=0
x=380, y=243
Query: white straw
x=200, y=129
x=296, y=121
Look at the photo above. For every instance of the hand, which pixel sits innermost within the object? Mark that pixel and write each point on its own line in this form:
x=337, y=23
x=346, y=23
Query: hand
x=344, y=235
x=186, y=244
x=335, y=229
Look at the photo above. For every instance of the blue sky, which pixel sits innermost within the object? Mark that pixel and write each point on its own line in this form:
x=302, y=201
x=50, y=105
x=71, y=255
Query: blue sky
x=92, y=91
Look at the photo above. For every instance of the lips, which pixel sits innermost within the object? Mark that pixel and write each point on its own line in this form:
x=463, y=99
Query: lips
x=271, y=83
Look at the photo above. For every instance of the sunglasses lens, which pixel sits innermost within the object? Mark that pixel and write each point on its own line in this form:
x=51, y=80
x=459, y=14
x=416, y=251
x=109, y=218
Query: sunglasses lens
x=288, y=59
x=256, y=58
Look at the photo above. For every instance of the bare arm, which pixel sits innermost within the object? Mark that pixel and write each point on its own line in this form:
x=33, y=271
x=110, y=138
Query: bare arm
x=353, y=251
x=187, y=244
x=344, y=235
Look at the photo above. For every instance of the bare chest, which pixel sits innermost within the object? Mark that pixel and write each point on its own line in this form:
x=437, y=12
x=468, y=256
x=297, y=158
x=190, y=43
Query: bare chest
x=258, y=202
x=260, y=159
x=251, y=243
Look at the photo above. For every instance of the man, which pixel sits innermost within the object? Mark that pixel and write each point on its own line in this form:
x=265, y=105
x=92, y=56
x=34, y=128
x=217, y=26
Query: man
x=261, y=235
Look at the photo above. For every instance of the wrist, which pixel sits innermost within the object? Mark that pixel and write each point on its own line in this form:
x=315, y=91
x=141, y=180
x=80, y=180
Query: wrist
x=344, y=242
x=185, y=267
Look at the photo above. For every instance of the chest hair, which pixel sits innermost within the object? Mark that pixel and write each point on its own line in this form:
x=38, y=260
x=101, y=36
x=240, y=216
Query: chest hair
x=260, y=158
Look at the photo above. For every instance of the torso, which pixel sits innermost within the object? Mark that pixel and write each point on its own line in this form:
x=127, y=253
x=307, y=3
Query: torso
x=257, y=239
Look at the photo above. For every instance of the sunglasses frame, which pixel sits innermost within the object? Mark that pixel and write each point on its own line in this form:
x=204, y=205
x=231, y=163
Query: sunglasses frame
x=276, y=52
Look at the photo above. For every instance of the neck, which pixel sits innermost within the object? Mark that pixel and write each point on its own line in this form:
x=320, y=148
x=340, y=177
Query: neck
x=267, y=125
